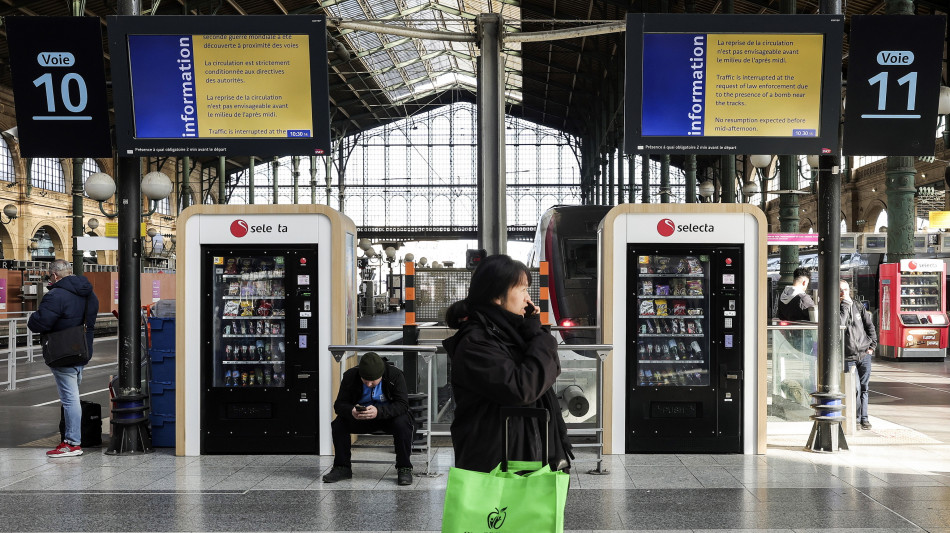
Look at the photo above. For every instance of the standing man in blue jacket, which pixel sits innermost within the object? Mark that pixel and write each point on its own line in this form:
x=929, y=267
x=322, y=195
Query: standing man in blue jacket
x=69, y=302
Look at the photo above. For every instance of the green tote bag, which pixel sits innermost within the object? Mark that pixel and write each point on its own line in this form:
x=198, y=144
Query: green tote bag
x=500, y=501
x=531, y=500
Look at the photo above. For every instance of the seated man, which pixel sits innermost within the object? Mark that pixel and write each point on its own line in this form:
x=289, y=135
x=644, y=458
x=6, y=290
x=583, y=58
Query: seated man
x=373, y=397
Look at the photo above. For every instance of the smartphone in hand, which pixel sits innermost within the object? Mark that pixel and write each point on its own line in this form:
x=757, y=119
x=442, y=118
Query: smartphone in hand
x=360, y=407
x=529, y=310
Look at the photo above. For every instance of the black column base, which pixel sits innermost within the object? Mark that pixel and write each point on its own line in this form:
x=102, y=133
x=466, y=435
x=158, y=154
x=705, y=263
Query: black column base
x=131, y=433
x=827, y=435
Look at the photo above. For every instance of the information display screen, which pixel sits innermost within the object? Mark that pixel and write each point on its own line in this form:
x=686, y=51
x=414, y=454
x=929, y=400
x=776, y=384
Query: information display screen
x=220, y=86
x=706, y=84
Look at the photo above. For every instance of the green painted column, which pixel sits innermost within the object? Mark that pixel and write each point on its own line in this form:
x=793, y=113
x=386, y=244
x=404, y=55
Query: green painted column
x=222, y=180
x=900, y=186
x=185, y=182
x=665, y=179
x=900, y=182
x=690, y=169
x=788, y=217
x=295, y=165
x=77, y=214
x=275, y=191
x=250, y=180
x=645, y=178
x=727, y=179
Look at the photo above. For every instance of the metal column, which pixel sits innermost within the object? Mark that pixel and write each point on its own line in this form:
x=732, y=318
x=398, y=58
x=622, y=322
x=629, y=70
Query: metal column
x=827, y=435
x=492, y=211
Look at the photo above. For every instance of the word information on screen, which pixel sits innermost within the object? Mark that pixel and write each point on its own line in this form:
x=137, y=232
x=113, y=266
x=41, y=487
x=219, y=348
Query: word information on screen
x=734, y=85
x=224, y=86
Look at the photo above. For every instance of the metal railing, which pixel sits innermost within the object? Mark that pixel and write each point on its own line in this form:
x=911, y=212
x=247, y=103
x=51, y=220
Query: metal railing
x=16, y=330
x=427, y=350
x=339, y=352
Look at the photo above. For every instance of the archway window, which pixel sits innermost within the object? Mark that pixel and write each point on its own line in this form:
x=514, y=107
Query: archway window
x=7, y=172
x=47, y=173
x=880, y=226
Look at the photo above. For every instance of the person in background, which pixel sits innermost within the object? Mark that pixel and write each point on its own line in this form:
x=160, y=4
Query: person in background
x=795, y=303
x=69, y=302
x=373, y=397
x=501, y=355
x=860, y=340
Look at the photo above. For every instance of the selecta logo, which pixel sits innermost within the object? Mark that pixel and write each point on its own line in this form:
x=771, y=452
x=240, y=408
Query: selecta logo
x=912, y=265
x=496, y=518
x=665, y=227
x=239, y=228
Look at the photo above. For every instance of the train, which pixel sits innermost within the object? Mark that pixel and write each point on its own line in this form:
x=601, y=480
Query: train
x=567, y=239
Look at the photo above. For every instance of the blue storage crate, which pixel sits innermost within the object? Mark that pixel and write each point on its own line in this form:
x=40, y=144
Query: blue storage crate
x=163, y=333
x=162, y=397
x=163, y=365
x=163, y=430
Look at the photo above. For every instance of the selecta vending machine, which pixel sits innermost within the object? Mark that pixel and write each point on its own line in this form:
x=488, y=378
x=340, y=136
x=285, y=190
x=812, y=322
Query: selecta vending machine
x=682, y=302
x=262, y=291
x=913, y=321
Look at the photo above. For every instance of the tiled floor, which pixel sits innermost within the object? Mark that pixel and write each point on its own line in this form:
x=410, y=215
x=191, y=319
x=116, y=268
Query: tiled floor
x=883, y=484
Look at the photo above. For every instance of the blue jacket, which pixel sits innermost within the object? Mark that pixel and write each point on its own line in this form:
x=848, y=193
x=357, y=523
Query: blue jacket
x=70, y=302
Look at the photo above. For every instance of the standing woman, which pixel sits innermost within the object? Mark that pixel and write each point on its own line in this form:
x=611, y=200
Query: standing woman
x=502, y=356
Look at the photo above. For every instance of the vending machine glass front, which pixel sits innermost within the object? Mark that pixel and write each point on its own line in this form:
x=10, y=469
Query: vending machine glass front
x=920, y=291
x=672, y=320
x=248, y=295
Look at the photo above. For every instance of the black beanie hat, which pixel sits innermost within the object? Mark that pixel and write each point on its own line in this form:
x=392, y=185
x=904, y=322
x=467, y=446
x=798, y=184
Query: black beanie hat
x=371, y=366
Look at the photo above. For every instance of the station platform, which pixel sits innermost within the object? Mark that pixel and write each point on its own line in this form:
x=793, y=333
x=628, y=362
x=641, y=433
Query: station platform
x=896, y=477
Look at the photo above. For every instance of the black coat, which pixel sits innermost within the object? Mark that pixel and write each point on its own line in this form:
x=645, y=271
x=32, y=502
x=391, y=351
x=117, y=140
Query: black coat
x=495, y=364
x=859, y=332
x=70, y=302
x=394, y=388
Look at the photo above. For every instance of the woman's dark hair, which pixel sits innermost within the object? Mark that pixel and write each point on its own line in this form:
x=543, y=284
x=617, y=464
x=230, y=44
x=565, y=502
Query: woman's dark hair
x=491, y=279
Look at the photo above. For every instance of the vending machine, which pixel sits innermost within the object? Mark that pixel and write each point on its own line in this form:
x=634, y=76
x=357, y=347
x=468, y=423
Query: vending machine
x=913, y=315
x=683, y=297
x=262, y=292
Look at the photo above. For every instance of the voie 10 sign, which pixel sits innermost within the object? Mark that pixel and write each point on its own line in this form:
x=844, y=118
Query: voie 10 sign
x=700, y=84
x=220, y=85
x=59, y=83
x=894, y=67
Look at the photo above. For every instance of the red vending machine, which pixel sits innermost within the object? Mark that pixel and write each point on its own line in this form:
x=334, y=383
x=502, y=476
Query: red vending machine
x=913, y=321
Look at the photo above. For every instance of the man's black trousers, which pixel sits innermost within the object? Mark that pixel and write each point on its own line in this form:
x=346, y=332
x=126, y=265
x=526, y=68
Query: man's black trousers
x=400, y=428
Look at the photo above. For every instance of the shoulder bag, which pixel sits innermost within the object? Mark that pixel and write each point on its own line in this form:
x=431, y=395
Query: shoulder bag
x=66, y=347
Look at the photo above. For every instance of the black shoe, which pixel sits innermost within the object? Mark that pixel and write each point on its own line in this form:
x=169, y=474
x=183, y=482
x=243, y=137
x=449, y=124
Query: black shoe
x=865, y=425
x=338, y=473
x=404, y=475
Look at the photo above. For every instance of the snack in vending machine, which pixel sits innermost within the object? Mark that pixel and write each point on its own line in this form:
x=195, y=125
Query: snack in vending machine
x=227, y=378
x=244, y=378
x=227, y=352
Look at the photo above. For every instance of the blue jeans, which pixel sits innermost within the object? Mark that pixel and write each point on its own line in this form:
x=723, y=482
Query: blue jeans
x=864, y=379
x=68, y=379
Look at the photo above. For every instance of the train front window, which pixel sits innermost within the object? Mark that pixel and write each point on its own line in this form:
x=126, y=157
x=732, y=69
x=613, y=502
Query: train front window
x=580, y=258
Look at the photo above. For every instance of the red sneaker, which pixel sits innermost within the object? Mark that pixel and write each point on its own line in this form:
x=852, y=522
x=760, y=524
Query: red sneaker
x=65, y=450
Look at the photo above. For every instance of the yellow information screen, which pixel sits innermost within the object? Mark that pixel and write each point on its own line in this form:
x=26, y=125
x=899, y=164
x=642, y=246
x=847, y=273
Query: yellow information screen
x=763, y=84
x=220, y=85
x=213, y=86
x=732, y=84
x=238, y=75
x=743, y=84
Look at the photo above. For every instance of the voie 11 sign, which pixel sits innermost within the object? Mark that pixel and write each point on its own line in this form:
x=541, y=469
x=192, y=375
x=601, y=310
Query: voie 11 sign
x=220, y=85
x=706, y=84
x=894, y=68
x=59, y=84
